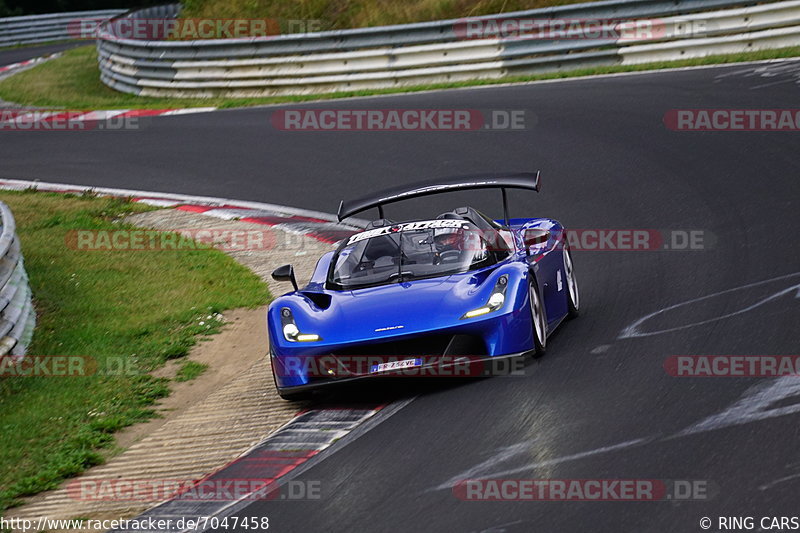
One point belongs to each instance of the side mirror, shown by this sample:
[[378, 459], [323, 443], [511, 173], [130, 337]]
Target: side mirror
[[535, 237], [285, 273]]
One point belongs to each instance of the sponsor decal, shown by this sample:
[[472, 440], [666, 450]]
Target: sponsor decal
[[409, 226], [389, 328], [594, 239]]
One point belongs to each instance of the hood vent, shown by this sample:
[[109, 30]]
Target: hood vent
[[320, 299]]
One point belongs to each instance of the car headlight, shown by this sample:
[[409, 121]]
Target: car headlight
[[290, 330], [495, 302]]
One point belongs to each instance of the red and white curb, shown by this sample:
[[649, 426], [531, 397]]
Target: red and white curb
[[46, 115], [28, 63], [16, 115], [321, 226], [303, 437], [269, 465]]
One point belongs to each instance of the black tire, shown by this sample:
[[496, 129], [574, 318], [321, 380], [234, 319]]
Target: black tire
[[538, 320], [573, 295]]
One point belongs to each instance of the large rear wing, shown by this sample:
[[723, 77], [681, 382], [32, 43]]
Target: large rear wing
[[519, 180]]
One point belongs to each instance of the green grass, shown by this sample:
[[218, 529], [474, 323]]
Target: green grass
[[72, 82], [29, 45], [190, 370], [343, 14], [126, 310]]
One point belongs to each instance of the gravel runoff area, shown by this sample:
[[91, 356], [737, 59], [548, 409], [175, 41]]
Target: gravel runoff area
[[241, 406]]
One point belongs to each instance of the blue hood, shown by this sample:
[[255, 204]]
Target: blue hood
[[376, 313], [397, 309]]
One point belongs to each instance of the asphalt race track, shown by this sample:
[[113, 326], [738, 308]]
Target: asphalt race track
[[9, 56], [599, 404]]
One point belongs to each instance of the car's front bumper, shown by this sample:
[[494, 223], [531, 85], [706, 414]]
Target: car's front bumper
[[512, 364], [299, 364]]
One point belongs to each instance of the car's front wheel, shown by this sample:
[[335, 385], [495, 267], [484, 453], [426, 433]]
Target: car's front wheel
[[573, 296], [538, 320]]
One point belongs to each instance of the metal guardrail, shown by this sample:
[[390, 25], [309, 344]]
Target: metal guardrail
[[34, 29], [17, 316], [430, 52]]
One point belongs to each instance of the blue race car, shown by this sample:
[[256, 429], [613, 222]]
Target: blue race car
[[400, 298]]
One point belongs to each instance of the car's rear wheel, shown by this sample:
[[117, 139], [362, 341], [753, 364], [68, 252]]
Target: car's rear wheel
[[538, 320], [573, 296]]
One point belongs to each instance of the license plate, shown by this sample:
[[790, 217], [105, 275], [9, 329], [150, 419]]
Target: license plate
[[395, 365]]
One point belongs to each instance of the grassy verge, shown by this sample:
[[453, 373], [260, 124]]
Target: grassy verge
[[72, 81], [128, 312], [335, 14], [190, 370], [29, 45]]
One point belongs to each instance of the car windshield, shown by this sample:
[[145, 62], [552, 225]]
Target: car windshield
[[407, 251]]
